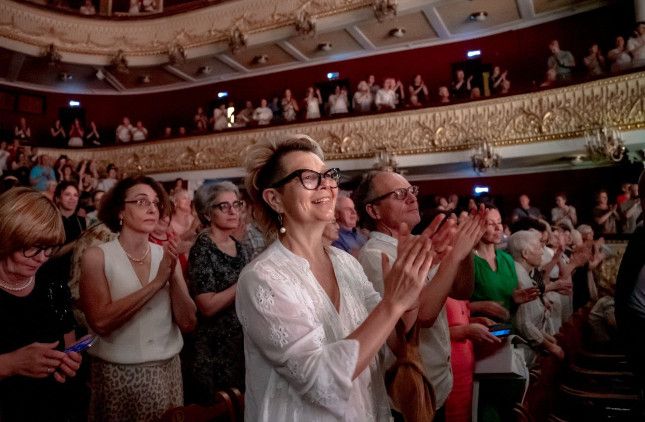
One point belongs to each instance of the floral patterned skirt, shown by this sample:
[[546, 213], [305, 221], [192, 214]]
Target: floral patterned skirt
[[139, 392]]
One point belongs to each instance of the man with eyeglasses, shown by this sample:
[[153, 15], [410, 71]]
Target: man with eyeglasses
[[386, 199]]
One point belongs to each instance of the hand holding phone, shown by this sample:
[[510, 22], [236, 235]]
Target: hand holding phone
[[500, 330], [83, 344]]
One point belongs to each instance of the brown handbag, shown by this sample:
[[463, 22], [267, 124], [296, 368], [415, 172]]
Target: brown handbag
[[410, 392]]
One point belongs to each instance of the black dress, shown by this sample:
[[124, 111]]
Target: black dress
[[43, 316], [216, 357]]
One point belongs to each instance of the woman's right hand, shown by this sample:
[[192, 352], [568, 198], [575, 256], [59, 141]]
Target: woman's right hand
[[404, 281], [37, 360], [521, 296], [169, 260]]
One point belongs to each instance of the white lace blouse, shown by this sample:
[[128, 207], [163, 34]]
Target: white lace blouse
[[299, 365]]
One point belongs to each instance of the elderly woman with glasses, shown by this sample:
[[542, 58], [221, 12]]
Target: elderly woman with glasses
[[313, 324], [36, 321], [214, 264], [135, 299]]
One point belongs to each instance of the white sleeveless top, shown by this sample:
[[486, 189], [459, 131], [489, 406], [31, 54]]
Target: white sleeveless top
[[151, 334]]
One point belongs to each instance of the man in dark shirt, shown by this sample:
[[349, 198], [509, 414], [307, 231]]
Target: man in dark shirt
[[525, 210]]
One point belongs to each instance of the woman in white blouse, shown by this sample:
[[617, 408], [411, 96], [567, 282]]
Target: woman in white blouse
[[312, 322], [338, 102]]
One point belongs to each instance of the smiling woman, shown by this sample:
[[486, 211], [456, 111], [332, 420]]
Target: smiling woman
[[312, 322], [36, 321], [119, 279]]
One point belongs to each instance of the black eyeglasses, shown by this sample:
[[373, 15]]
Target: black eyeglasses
[[310, 179], [225, 207], [36, 250], [143, 203], [398, 194]]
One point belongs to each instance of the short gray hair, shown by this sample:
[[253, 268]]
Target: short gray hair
[[521, 241], [206, 195]]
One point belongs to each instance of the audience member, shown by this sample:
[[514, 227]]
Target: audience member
[[22, 131], [619, 56], [595, 61], [35, 313], [4, 156], [201, 120], [386, 97], [92, 136], [338, 101], [525, 210], [561, 61], [330, 234], [245, 116], [460, 87], [110, 180], [631, 210], [532, 318], [21, 169], [414, 102], [216, 259], [386, 200], [119, 279], [349, 238], [87, 8], [263, 114], [636, 45], [329, 351], [606, 216], [313, 100], [506, 87], [550, 79], [58, 135], [219, 121], [444, 95], [290, 106], [373, 86], [419, 88], [76, 133], [563, 213], [124, 131], [475, 93], [497, 79], [363, 101], [42, 173]]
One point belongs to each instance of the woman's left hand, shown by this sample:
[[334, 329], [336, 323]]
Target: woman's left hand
[[68, 367]]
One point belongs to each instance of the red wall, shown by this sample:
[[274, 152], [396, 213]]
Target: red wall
[[523, 52]]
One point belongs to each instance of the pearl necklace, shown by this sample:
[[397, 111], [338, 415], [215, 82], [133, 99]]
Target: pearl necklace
[[11, 288]]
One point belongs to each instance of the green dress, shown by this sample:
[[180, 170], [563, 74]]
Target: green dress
[[499, 285]]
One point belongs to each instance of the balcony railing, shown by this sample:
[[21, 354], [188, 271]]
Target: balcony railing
[[553, 115]]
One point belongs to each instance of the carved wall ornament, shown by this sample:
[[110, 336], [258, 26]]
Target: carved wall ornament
[[176, 54], [120, 62], [305, 22], [52, 55], [552, 115], [384, 9], [236, 39]]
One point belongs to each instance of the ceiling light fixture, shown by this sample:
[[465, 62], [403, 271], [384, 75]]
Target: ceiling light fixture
[[478, 16], [325, 46], [261, 59], [145, 79], [205, 70], [100, 75], [397, 32]]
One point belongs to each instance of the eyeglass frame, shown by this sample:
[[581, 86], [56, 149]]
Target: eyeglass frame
[[406, 190], [298, 173], [229, 206], [40, 248], [141, 203]]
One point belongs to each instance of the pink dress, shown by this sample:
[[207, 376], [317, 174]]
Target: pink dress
[[462, 358]]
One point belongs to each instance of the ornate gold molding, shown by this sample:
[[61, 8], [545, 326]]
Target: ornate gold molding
[[150, 37], [557, 114]]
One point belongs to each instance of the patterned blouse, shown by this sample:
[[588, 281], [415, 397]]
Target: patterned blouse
[[217, 346]]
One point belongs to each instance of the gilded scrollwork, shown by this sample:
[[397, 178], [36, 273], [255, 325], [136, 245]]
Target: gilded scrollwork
[[553, 115], [74, 34]]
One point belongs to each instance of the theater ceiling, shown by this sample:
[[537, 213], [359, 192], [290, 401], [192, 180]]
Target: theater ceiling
[[235, 39]]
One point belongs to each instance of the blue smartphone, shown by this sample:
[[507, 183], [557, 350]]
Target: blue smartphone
[[83, 344], [500, 330]]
